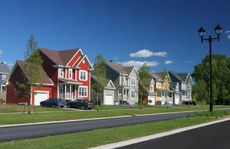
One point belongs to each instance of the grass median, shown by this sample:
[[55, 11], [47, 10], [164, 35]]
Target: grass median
[[104, 136], [54, 114]]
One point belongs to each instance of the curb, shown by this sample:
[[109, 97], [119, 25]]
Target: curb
[[155, 136]]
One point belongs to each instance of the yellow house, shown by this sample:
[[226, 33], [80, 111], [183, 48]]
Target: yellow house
[[159, 92]]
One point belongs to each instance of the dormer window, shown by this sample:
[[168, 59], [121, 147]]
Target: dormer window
[[61, 73], [70, 74]]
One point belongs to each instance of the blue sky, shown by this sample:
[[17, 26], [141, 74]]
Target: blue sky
[[162, 33]]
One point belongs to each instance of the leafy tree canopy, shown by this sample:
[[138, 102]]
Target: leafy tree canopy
[[221, 78]]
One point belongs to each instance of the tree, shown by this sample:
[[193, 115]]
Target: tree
[[100, 74], [200, 93], [144, 82], [32, 69], [221, 77]]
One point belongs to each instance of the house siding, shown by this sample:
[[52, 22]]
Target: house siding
[[11, 94]]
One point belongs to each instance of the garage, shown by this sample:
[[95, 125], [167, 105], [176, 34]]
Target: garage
[[40, 96], [109, 99], [151, 100], [176, 98]]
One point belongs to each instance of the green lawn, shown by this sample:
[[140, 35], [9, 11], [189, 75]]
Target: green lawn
[[12, 108], [104, 136], [56, 114]]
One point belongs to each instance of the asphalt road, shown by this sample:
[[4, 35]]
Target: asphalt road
[[41, 130], [216, 136]]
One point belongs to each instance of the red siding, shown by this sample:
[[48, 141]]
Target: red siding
[[11, 94], [51, 71], [85, 66], [74, 59]]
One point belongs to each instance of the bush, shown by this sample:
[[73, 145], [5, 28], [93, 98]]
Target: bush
[[2, 101]]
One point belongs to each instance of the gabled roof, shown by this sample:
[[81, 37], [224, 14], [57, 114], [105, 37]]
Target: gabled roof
[[104, 84], [59, 57], [4, 68], [183, 76], [119, 68], [44, 80], [156, 77], [175, 77], [178, 77], [81, 59]]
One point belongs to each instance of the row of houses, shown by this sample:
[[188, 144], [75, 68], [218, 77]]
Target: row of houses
[[68, 75]]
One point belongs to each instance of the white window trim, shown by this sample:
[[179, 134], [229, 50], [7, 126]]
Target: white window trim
[[86, 75], [132, 91], [134, 81], [70, 77], [59, 72], [151, 88], [79, 91]]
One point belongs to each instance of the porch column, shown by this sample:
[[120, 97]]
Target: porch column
[[65, 91]]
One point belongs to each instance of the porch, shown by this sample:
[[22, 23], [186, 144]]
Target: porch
[[68, 89]]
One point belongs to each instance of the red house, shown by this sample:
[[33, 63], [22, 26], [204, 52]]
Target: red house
[[65, 74]]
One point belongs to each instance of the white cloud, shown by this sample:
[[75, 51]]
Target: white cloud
[[227, 32], [1, 52], [168, 62], [147, 53], [138, 64]]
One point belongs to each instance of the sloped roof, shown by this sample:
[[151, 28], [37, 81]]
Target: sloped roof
[[183, 76], [4, 68], [119, 68], [178, 77], [157, 77], [175, 77], [94, 77], [59, 57], [44, 77]]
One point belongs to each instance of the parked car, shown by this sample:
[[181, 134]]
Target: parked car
[[53, 102], [81, 104], [190, 102]]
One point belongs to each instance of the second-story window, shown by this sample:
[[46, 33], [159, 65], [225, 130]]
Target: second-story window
[[151, 88], [4, 77], [61, 73], [70, 74], [133, 81], [83, 75]]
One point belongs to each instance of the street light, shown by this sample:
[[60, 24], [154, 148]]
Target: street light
[[218, 30]]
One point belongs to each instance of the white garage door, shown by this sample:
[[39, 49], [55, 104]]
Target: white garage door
[[177, 99], [108, 99], [40, 96]]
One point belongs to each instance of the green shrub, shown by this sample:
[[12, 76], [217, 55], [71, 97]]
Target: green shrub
[[2, 101]]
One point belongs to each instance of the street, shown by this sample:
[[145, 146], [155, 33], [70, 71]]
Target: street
[[216, 136], [41, 130]]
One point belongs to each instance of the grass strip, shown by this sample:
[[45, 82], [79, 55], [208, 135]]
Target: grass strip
[[20, 118], [98, 137]]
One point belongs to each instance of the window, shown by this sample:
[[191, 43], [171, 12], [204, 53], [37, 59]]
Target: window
[[82, 91], [151, 88], [133, 81], [133, 94], [4, 77], [83, 75], [61, 72], [70, 73]]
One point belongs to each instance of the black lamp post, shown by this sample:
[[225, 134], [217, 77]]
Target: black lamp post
[[218, 30]]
